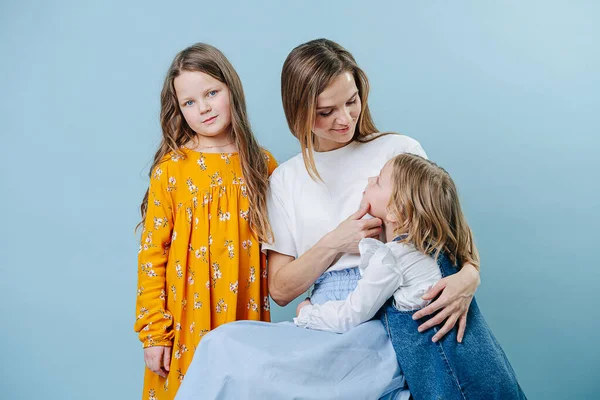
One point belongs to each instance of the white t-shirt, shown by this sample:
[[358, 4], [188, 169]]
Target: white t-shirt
[[302, 211]]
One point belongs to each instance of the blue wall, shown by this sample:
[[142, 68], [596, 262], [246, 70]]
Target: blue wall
[[504, 95]]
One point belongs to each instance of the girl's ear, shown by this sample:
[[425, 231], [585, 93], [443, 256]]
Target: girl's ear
[[390, 217]]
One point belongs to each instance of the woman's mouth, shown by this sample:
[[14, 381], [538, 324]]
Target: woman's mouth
[[210, 120], [343, 130]]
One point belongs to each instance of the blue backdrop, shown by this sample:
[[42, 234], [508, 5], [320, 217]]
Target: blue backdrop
[[503, 94]]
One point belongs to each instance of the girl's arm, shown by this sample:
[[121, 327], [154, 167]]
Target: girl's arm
[[289, 277], [153, 322], [382, 277]]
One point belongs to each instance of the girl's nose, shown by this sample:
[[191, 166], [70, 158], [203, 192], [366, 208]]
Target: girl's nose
[[203, 107]]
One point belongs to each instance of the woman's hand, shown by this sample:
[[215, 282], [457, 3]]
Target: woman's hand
[[158, 359], [306, 302], [457, 291], [345, 238]]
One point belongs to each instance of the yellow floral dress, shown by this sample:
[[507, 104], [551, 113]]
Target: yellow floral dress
[[200, 265]]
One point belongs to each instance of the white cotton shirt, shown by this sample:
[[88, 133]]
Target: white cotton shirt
[[302, 211], [391, 269]]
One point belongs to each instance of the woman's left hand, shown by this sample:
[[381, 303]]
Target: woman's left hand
[[457, 291]]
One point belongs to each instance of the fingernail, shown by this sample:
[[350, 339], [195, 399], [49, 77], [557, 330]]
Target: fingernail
[[414, 317], [420, 329], [434, 340]]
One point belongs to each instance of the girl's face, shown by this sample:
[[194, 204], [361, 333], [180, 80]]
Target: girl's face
[[378, 192], [204, 102], [338, 108]]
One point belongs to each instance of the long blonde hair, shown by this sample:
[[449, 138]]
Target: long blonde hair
[[307, 71], [176, 132], [425, 203]]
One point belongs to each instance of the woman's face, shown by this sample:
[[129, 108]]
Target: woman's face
[[338, 108]]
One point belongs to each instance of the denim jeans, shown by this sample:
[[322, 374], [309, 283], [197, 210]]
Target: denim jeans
[[477, 368]]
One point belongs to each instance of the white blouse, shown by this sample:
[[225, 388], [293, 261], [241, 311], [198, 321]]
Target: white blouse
[[387, 269]]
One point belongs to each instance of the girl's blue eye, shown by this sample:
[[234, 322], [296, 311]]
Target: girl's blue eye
[[189, 102], [212, 93]]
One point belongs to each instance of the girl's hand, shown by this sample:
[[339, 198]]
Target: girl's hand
[[457, 291], [158, 359], [306, 302], [345, 238]]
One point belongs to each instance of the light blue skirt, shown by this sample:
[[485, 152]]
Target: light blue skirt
[[264, 361]]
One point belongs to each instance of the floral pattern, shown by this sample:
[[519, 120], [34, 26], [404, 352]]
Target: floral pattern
[[196, 246]]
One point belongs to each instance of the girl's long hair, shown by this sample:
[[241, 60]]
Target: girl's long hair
[[176, 132], [425, 203]]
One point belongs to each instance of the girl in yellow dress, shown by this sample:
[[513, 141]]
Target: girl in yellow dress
[[203, 217]]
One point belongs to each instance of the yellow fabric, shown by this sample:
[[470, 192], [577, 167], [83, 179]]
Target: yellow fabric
[[200, 265]]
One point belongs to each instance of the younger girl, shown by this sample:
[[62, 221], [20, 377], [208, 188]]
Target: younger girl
[[204, 216], [424, 226]]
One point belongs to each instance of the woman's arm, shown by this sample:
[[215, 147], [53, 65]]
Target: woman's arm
[[290, 277]]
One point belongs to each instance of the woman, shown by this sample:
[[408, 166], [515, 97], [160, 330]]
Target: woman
[[313, 204]]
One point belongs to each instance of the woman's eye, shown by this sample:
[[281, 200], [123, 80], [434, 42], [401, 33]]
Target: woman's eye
[[325, 114], [189, 102]]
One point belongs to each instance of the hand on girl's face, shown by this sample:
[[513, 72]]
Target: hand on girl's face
[[158, 359], [349, 233]]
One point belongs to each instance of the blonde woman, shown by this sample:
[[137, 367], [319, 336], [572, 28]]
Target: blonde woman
[[313, 203]]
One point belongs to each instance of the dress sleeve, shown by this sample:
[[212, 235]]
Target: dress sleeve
[[271, 161], [153, 322]]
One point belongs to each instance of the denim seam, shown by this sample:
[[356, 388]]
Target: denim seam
[[443, 353], [387, 325]]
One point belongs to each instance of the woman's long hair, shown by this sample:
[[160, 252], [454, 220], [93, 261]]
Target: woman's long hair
[[307, 71]]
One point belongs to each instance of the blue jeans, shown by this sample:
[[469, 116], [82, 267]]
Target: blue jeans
[[477, 368]]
